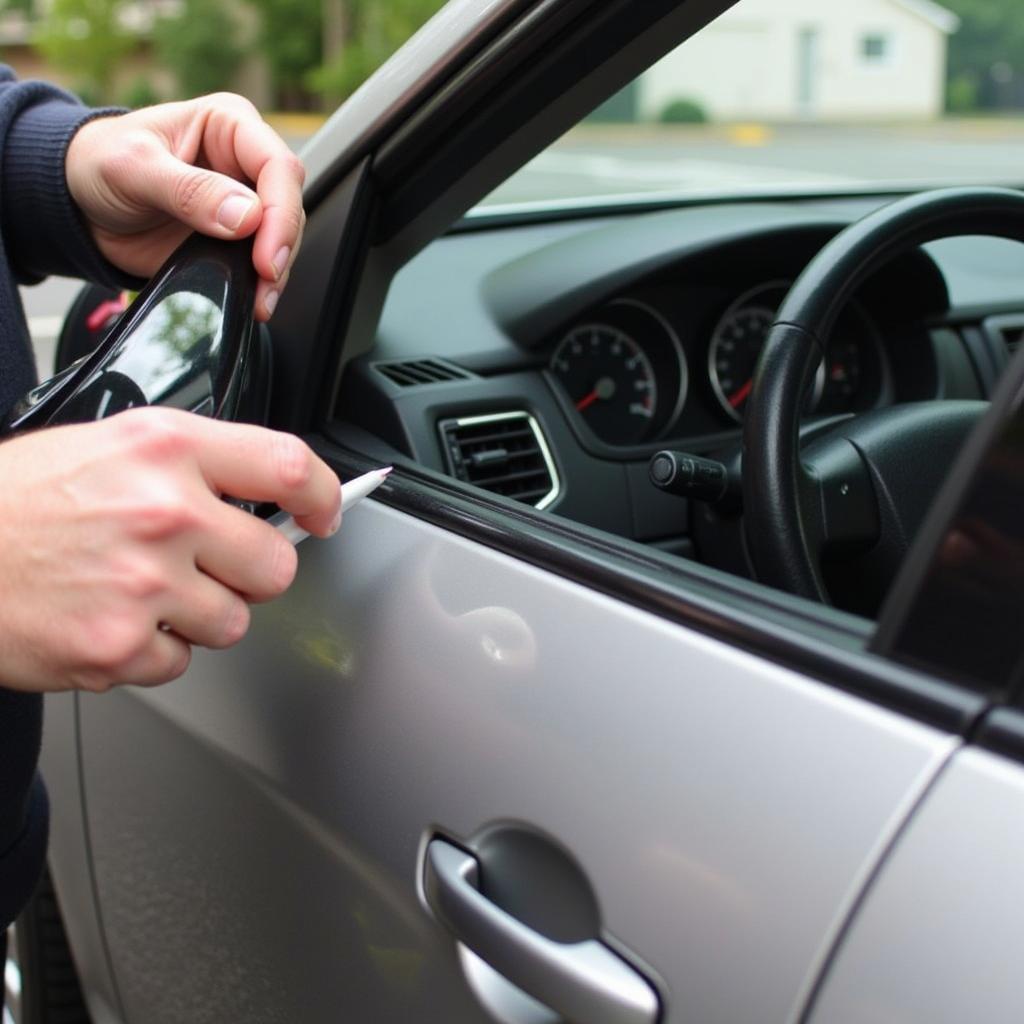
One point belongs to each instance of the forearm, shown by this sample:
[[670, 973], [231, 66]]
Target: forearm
[[42, 229]]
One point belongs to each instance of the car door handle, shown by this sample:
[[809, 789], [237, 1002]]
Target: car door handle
[[585, 982]]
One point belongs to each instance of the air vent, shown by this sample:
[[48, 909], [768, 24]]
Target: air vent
[[504, 453], [1008, 329], [1012, 337], [411, 373]]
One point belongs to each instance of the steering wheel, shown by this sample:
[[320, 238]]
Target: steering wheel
[[868, 483]]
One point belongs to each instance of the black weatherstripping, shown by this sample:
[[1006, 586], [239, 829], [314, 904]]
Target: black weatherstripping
[[1001, 731], [818, 642]]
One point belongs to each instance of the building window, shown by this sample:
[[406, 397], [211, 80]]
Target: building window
[[875, 48]]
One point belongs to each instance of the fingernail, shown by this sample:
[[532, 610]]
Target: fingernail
[[270, 302], [336, 525], [280, 261], [233, 211]]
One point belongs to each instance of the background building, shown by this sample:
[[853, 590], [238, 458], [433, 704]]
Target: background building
[[789, 60]]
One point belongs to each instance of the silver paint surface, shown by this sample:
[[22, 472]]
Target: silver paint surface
[[938, 939], [258, 825]]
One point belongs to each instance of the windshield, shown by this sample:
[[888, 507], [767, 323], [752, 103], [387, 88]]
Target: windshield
[[801, 96]]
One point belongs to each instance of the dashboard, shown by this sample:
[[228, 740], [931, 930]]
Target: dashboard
[[672, 360], [548, 361]]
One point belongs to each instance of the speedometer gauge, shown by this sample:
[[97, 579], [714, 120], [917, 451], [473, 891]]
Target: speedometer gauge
[[622, 371], [736, 346], [609, 379]]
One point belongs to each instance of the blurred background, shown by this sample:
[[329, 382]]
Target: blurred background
[[775, 96], [285, 55], [965, 57]]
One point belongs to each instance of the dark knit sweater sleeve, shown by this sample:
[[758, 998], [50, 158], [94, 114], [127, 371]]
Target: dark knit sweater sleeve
[[43, 230]]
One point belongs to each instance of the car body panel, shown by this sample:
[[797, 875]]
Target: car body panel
[[257, 827], [938, 937]]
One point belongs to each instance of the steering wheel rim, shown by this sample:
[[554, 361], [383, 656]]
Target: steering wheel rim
[[777, 495]]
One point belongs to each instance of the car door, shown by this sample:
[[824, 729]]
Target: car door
[[934, 939], [482, 762]]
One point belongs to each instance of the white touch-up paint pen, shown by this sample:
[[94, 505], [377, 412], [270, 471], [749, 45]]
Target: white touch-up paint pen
[[351, 492]]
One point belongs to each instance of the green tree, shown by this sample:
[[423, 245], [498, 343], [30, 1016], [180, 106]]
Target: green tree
[[199, 46], [290, 38], [986, 55], [374, 31], [85, 37]]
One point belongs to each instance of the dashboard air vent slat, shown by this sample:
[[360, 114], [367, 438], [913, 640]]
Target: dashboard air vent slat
[[412, 372], [1013, 336], [504, 453], [1006, 330]]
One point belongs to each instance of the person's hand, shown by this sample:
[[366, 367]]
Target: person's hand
[[118, 552], [144, 180]]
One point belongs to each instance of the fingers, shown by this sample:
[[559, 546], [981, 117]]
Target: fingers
[[212, 164], [267, 465], [238, 144], [269, 291], [246, 554], [238, 139], [202, 611], [205, 200], [240, 460], [279, 176], [165, 657]]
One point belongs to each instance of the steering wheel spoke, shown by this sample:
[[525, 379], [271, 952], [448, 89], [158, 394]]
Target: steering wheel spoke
[[843, 508]]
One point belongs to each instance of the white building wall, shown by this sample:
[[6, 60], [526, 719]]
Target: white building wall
[[752, 64]]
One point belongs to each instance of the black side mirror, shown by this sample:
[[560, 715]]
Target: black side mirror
[[188, 341]]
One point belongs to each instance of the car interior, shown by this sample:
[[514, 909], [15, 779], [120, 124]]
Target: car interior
[[667, 311]]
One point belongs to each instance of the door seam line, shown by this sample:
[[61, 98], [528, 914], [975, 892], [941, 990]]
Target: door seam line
[[864, 880]]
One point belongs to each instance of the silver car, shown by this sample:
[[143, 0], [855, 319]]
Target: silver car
[[652, 686]]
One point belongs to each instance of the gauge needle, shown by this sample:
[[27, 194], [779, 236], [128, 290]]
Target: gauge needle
[[603, 389], [737, 399]]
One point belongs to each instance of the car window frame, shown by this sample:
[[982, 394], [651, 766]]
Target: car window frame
[[371, 217]]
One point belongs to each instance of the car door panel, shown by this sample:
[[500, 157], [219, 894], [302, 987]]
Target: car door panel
[[938, 938], [258, 827]]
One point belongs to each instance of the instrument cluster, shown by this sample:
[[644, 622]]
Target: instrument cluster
[[634, 373]]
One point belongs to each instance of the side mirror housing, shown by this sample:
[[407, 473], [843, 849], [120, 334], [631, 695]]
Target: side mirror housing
[[188, 342]]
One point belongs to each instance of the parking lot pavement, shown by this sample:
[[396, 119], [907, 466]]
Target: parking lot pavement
[[600, 160]]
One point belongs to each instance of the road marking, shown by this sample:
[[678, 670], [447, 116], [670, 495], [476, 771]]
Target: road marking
[[678, 169], [749, 134]]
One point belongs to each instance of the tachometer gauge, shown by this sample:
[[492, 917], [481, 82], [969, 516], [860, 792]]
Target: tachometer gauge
[[736, 345], [609, 379]]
